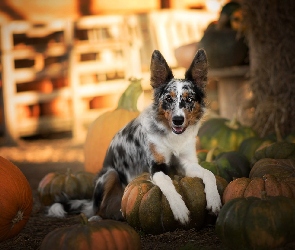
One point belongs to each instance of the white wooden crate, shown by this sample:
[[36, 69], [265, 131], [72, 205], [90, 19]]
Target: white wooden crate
[[104, 55], [29, 53]]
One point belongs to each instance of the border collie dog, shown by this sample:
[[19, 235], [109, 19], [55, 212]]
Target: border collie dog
[[161, 140]]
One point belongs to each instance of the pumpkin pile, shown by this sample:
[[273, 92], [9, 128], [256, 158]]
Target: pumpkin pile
[[16, 200], [76, 186], [102, 130], [258, 203], [145, 207], [258, 211]]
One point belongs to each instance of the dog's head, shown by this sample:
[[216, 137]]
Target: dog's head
[[179, 102]]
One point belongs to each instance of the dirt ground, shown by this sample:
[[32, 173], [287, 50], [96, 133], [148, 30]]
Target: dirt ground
[[40, 156]]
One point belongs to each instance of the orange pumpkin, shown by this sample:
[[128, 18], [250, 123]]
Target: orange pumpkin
[[16, 200], [98, 235], [103, 129], [270, 184]]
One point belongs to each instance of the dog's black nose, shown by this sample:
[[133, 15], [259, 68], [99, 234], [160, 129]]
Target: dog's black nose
[[178, 120]]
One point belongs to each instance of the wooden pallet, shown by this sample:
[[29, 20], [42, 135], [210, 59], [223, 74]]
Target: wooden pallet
[[104, 56], [31, 54]]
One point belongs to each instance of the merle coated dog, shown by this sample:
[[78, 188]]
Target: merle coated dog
[[161, 140]]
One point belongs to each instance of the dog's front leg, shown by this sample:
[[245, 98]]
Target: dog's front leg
[[193, 169], [164, 182]]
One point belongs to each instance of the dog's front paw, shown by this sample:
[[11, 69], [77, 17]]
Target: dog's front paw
[[213, 202], [212, 196], [180, 210]]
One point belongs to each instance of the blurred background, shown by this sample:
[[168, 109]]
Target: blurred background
[[63, 63]]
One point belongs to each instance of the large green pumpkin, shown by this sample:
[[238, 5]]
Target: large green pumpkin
[[277, 150], [228, 165], [253, 223], [147, 209], [76, 186], [223, 133], [281, 168], [249, 146]]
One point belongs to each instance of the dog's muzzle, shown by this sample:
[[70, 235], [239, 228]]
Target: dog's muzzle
[[177, 122]]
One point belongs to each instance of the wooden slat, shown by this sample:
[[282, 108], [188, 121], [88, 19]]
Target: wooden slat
[[29, 52], [89, 22], [31, 74], [35, 126], [37, 30], [100, 67], [32, 97], [103, 88], [88, 47]]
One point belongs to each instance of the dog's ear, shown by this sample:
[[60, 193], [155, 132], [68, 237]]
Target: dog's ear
[[160, 71], [197, 72]]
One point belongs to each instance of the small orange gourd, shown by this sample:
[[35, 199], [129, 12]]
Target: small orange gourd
[[16, 200], [103, 129]]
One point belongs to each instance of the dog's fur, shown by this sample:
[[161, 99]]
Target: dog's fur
[[160, 141]]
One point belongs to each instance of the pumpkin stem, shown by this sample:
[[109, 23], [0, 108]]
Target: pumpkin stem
[[209, 156], [129, 98], [83, 219], [233, 123]]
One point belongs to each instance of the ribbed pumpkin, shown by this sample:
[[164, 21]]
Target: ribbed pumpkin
[[277, 150], [76, 186], [228, 165], [271, 185], [249, 146], [146, 208], [253, 223], [280, 168], [223, 133], [98, 235], [16, 200], [102, 130]]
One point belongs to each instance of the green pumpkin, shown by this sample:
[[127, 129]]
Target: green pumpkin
[[249, 146], [253, 223], [76, 186], [145, 207], [228, 165], [223, 133], [277, 150], [281, 168]]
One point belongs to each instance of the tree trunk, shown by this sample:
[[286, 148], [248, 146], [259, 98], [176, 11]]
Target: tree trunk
[[270, 30]]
